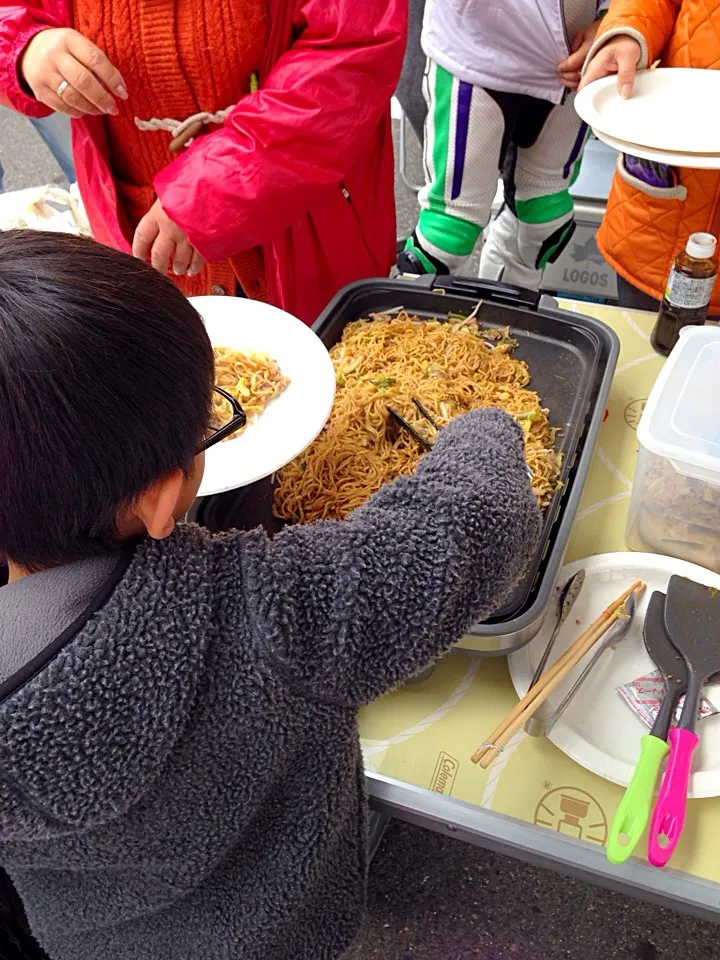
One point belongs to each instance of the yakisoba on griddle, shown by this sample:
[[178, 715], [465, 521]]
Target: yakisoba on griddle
[[451, 367]]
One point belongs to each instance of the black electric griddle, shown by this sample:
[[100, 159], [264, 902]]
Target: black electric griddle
[[571, 358]]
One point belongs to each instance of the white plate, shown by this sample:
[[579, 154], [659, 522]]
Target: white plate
[[291, 421], [670, 109], [696, 161], [598, 729]]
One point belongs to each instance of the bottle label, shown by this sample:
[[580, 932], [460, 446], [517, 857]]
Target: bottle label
[[690, 292]]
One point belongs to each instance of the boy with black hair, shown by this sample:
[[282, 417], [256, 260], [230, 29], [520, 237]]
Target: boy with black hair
[[180, 772]]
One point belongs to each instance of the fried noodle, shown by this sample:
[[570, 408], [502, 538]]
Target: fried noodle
[[252, 378], [451, 367]]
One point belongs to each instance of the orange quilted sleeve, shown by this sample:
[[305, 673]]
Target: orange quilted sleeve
[[654, 19]]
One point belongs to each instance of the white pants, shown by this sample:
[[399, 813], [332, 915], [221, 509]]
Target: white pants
[[470, 135]]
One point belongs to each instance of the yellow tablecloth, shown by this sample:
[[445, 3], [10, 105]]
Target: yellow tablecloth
[[424, 734]]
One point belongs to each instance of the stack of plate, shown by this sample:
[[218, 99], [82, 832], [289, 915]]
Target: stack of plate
[[669, 118]]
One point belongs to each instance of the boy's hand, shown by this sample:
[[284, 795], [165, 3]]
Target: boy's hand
[[570, 70], [161, 241], [620, 56], [68, 73]]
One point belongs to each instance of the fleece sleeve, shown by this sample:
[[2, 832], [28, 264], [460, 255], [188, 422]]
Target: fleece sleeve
[[350, 609]]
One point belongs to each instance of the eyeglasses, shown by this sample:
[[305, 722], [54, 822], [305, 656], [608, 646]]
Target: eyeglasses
[[237, 420]]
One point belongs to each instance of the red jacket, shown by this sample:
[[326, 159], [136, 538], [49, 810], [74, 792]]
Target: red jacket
[[303, 167]]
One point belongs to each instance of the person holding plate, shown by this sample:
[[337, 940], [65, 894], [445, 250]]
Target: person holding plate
[[651, 213], [241, 146]]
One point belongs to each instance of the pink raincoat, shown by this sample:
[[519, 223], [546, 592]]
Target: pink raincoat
[[303, 167]]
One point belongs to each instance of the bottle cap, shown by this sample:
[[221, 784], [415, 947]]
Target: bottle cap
[[701, 246]]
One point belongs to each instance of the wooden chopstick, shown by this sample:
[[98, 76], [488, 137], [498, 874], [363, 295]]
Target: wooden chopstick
[[549, 680], [614, 608], [559, 669], [536, 696], [550, 673], [510, 730]]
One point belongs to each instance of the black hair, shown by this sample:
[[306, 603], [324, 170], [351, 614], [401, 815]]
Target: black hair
[[106, 377]]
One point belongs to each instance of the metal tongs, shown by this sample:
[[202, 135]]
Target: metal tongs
[[400, 421], [538, 726]]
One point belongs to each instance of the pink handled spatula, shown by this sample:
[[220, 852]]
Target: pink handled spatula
[[692, 618]]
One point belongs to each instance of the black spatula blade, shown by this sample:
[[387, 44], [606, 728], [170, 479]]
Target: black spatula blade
[[659, 645], [668, 661], [692, 618]]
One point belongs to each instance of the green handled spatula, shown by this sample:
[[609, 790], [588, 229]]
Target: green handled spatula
[[633, 814]]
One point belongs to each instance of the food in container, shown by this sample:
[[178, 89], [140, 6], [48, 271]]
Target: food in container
[[675, 506], [687, 295], [252, 378]]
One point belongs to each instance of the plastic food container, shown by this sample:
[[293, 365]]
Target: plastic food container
[[675, 506]]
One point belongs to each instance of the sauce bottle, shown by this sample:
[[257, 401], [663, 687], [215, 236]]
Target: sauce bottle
[[688, 291]]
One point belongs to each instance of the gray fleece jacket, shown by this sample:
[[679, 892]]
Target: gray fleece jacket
[[180, 772]]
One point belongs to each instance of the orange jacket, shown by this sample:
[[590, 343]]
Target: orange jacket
[[641, 233]]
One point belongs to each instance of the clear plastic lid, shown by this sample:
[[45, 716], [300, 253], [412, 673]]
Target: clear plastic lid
[[701, 246], [681, 420]]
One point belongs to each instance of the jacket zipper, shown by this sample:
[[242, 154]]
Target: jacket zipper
[[281, 15], [564, 26], [566, 92], [715, 221], [565, 29], [356, 216]]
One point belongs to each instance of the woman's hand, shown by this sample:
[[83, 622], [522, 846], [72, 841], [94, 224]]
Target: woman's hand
[[570, 70], [620, 56], [161, 241], [69, 74]]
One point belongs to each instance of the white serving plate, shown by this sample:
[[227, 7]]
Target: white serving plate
[[670, 109], [695, 161], [291, 421], [598, 729]]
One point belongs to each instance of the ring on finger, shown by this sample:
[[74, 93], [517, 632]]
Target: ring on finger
[[61, 89]]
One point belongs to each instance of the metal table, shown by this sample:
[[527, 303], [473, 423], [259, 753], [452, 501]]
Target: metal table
[[535, 803]]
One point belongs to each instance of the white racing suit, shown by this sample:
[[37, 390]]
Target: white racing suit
[[495, 103]]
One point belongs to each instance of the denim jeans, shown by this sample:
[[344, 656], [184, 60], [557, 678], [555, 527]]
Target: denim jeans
[[55, 132], [631, 298]]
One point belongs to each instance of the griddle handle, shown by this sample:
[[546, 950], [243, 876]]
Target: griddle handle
[[489, 290]]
